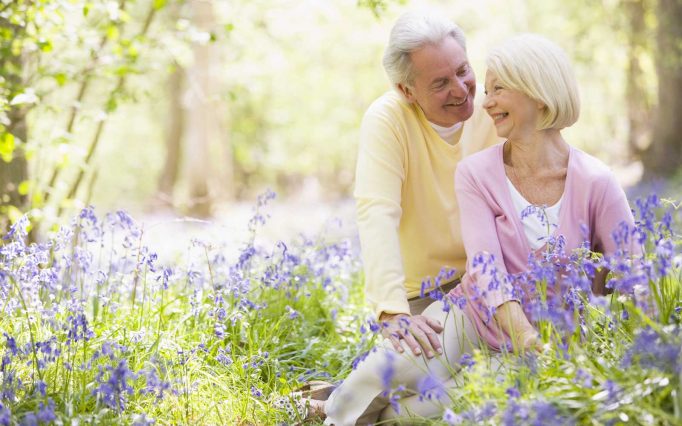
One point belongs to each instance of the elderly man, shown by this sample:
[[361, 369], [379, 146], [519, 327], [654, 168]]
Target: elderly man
[[411, 141]]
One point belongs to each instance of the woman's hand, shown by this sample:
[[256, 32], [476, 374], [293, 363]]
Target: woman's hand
[[513, 321]]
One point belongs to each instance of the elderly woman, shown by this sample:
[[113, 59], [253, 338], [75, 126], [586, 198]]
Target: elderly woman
[[531, 94]]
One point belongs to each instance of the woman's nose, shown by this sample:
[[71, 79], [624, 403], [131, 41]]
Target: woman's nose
[[487, 101]]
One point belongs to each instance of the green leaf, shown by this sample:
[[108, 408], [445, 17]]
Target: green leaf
[[24, 187], [113, 32], [159, 4], [7, 147], [45, 45], [61, 78]]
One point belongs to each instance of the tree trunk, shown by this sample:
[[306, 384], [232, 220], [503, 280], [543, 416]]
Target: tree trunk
[[15, 172], [201, 128], [175, 128], [663, 156], [638, 103]]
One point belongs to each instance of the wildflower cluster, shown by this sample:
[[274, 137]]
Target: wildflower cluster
[[614, 359], [94, 328]]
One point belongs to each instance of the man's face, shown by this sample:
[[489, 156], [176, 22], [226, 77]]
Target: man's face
[[444, 84]]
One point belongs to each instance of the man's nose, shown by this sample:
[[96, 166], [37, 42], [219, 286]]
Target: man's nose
[[458, 88]]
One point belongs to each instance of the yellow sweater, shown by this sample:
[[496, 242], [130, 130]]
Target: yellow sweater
[[408, 216]]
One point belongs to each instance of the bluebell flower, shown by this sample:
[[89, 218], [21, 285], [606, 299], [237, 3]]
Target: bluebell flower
[[452, 418], [46, 413], [513, 392], [255, 392], [5, 415], [653, 351], [431, 387], [113, 390], [387, 370]]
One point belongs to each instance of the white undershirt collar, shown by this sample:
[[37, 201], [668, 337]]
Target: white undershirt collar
[[447, 133]]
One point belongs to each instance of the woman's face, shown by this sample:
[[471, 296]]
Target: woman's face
[[515, 114]]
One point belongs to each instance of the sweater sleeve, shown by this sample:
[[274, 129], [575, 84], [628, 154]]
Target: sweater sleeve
[[378, 185], [612, 211], [485, 263]]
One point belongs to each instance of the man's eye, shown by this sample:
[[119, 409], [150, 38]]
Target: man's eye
[[463, 71]]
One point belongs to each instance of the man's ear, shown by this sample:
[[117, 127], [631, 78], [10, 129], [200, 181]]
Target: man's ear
[[407, 92]]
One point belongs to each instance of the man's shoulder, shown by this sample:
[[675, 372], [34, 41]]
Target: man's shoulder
[[390, 104]]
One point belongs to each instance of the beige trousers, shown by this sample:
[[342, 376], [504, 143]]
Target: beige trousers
[[361, 399]]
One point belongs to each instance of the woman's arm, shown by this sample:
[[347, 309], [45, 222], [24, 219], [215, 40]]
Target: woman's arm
[[513, 321], [479, 233]]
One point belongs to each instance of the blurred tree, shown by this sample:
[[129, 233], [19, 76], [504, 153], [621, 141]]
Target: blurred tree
[[53, 49], [17, 40], [195, 142], [638, 30], [664, 155], [175, 128]]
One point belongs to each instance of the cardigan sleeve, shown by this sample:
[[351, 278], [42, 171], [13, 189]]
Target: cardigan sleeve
[[378, 187], [612, 212], [485, 262]]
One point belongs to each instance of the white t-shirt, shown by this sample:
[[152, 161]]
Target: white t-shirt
[[539, 222], [447, 133]]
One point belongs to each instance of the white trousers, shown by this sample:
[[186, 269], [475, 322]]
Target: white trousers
[[361, 398]]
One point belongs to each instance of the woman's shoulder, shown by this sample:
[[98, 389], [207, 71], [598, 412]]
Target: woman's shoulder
[[488, 157], [588, 168], [480, 169]]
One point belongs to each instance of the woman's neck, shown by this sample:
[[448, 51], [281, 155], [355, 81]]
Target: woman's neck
[[539, 151]]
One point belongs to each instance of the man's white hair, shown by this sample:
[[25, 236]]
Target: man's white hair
[[411, 32]]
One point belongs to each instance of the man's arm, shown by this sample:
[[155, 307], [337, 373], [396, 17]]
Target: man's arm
[[381, 169]]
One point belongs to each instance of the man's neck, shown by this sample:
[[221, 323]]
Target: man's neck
[[447, 133]]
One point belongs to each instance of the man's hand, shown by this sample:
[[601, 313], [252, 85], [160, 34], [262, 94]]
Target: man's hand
[[419, 332]]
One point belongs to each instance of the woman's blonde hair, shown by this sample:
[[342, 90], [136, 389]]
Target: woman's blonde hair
[[541, 70]]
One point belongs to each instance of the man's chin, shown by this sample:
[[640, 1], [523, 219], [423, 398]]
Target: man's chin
[[462, 112]]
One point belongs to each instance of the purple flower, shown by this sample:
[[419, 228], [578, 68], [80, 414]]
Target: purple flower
[[467, 361], [5, 415], [513, 392], [255, 392], [653, 351], [546, 414], [155, 386], [451, 418], [387, 371], [46, 412], [113, 390], [431, 388], [293, 314], [583, 378]]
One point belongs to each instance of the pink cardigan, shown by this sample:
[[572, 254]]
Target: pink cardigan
[[491, 225]]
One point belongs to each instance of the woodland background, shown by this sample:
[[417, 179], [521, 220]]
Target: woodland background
[[189, 105]]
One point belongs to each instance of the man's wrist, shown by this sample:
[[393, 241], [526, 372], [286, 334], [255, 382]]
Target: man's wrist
[[385, 316]]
